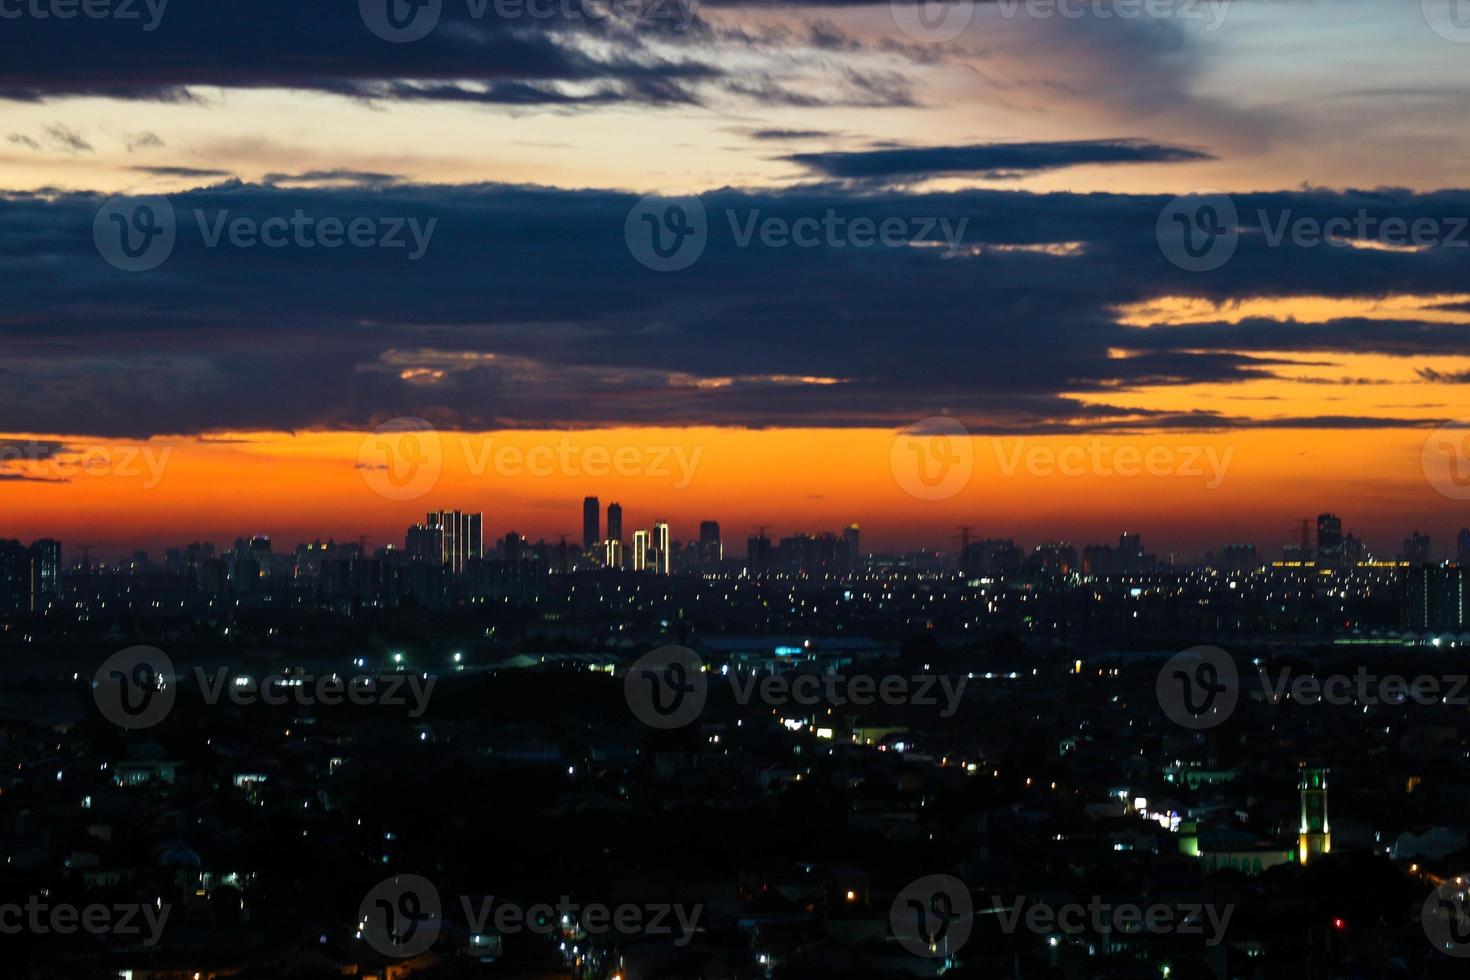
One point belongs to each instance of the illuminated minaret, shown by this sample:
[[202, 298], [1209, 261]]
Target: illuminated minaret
[[1316, 837]]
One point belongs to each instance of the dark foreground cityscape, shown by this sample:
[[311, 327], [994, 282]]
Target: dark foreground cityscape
[[630, 757]]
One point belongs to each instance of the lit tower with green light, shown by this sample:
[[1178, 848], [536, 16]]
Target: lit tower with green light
[[1316, 836]]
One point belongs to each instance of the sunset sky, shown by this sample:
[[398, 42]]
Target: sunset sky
[[1035, 300]]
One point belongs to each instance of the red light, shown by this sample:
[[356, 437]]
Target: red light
[[1339, 924]]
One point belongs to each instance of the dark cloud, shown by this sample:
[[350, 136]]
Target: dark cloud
[[528, 309], [182, 172], [989, 160], [334, 176], [791, 134], [1443, 377], [584, 53], [67, 139]]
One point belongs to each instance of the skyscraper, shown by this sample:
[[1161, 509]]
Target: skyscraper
[[615, 522], [1329, 540], [661, 547], [1462, 549], [424, 542], [852, 544], [711, 548], [1416, 548], [462, 537], [640, 551], [591, 517], [45, 573]]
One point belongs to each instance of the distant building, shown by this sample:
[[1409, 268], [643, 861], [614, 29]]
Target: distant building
[[1329, 540], [1462, 548], [662, 552], [640, 551], [852, 543], [1435, 599], [424, 542], [1239, 558], [15, 578], [615, 522], [758, 553], [591, 527], [462, 538], [711, 548], [45, 573], [1416, 548]]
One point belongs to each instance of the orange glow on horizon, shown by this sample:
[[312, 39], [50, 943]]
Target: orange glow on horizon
[[1186, 491]]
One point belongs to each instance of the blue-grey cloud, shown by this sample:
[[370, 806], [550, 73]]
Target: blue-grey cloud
[[527, 308], [988, 160]]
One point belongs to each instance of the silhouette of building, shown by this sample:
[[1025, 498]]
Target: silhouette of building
[[591, 517], [1416, 548], [462, 538], [615, 522], [711, 548], [1329, 540], [1462, 547], [663, 553], [640, 551]]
